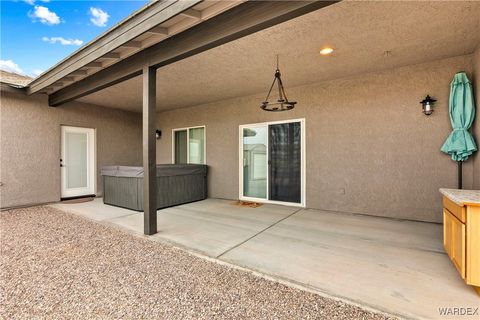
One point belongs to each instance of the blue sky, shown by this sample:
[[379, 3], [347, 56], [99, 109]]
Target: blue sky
[[36, 34]]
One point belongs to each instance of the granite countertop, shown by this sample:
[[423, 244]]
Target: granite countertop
[[462, 197]]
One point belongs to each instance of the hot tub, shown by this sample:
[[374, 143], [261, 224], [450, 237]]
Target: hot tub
[[176, 184]]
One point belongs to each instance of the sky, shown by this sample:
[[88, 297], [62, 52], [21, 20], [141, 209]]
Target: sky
[[37, 34]]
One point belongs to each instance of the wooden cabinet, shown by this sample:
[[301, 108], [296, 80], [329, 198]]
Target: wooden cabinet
[[454, 241], [461, 239]]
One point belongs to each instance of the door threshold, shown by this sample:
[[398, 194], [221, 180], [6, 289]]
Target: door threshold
[[281, 203], [78, 197]]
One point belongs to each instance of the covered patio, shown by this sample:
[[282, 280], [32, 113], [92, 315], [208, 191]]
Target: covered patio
[[366, 228], [395, 266]]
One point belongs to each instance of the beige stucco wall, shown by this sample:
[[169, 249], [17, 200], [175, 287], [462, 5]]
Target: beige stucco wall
[[365, 135], [476, 124], [30, 144]]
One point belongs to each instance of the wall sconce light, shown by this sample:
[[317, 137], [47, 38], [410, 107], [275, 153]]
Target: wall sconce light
[[427, 105], [158, 134]]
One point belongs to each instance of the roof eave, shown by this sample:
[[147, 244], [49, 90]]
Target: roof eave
[[136, 24]]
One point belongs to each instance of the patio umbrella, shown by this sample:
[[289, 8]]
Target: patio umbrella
[[460, 143]]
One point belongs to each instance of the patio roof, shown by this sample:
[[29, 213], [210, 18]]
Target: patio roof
[[367, 37], [159, 34], [153, 23]]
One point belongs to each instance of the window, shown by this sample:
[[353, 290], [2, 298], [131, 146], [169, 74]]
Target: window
[[189, 145]]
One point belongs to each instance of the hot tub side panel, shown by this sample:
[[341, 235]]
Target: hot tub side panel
[[175, 190], [175, 185], [123, 192]]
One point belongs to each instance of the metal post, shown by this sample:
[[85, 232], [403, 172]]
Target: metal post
[[149, 152], [460, 175]]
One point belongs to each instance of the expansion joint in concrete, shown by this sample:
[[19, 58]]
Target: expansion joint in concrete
[[256, 234]]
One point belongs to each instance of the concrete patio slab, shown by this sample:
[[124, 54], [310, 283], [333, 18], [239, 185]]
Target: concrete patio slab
[[391, 265], [395, 266], [211, 227], [216, 226]]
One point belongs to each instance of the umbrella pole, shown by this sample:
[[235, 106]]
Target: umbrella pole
[[460, 175]]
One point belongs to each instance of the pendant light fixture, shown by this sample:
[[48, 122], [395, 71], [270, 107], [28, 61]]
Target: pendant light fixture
[[282, 103]]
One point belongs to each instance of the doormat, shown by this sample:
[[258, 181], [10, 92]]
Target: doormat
[[247, 204], [78, 200]]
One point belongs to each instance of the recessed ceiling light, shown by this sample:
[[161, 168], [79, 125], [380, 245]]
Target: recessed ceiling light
[[326, 51]]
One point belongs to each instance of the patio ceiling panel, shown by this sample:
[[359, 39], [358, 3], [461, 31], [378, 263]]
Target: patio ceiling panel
[[237, 22]]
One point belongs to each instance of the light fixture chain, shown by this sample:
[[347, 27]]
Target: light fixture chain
[[282, 104], [283, 89], [271, 87], [280, 98]]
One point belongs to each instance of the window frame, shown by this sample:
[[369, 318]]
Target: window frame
[[188, 143]]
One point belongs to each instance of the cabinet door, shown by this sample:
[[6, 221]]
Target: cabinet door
[[447, 232], [473, 246], [457, 245]]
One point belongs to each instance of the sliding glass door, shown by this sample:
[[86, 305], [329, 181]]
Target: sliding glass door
[[255, 141], [285, 162], [271, 162]]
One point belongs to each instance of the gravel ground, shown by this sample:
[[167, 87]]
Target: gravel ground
[[59, 266]]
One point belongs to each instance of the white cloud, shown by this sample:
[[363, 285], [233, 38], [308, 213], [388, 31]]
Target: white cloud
[[63, 41], [99, 17], [10, 66], [31, 2], [44, 15], [37, 72]]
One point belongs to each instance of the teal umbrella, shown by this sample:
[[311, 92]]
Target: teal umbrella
[[460, 143]]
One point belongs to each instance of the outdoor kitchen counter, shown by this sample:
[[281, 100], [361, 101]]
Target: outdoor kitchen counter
[[461, 232], [462, 197]]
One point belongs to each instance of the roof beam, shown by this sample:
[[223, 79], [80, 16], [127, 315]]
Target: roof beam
[[158, 30], [93, 65], [192, 13], [240, 21], [111, 55], [78, 73], [132, 44]]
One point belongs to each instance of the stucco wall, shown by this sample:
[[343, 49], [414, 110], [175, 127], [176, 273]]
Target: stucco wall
[[30, 144], [365, 135], [476, 123]]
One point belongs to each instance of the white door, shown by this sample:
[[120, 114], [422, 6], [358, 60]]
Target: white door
[[77, 161]]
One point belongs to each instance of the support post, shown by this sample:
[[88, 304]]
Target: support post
[[460, 174], [149, 152]]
